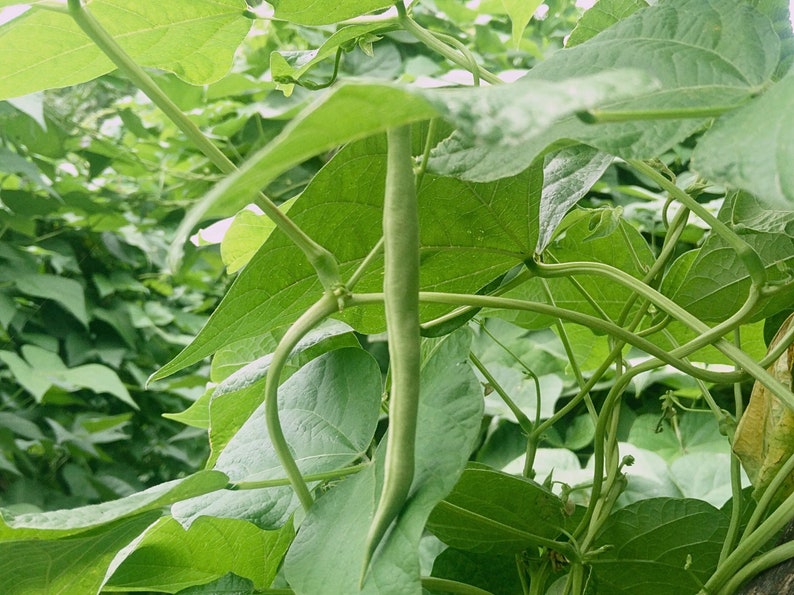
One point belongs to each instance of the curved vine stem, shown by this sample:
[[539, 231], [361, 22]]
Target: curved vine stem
[[274, 483], [745, 252], [440, 47], [487, 301], [707, 334], [323, 308], [773, 557], [321, 259], [748, 546]]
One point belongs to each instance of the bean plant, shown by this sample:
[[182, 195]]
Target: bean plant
[[444, 219]]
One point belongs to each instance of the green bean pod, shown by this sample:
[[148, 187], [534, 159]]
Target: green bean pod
[[401, 298]]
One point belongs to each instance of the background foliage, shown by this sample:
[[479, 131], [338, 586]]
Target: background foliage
[[100, 289]]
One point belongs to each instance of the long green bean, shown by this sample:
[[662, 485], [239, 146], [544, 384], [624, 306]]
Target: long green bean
[[401, 300]]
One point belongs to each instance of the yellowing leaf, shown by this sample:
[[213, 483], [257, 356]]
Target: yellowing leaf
[[764, 438]]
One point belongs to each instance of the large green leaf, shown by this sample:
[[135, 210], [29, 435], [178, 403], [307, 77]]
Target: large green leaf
[[714, 283], [501, 129], [660, 546], [234, 399], [491, 512], [762, 136], [62, 523], [328, 551], [346, 113], [66, 292], [324, 12], [328, 410], [693, 434], [63, 566], [195, 39], [470, 234], [41, 369], [496, 574], [707, 54], [603, 15], [169, 558], [568, 174]]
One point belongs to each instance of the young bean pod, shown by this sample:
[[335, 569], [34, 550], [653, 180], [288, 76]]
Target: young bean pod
[[401, 298]]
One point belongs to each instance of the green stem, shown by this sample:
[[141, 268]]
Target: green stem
[[599, 447], [523, 420], [284, 481], [707, 334], [487, 301], [605, 116], [365, 264], [323, 308], [52, 6], [526, 424], [767, 560], [736, 479], [323, 261], [777, 350], [749, 546], [769, 493], [472, 67], [745, 252], [439, 46], [431, 133], [584, 392]]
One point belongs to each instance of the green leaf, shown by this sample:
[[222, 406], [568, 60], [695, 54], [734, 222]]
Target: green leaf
[[348, 112], [71, 565], [715, 283], [328, 551], [337, 396], [247, 232], [62, 523], [195, 39], [292, 64], [11, 163], [660, 546], [257, 369], [496, 574], [66, 292], [99, 379], [25, 375], [694, 433], [43, 369], [470, 234], [230, 584], [602, 16], [8, 309], [501, 129], [704, 476], [235, 398], [169, 558], [624, 248], [325, 12], [703, 54], [568, 174], [492, 512], [762, 133], [520, 11]]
